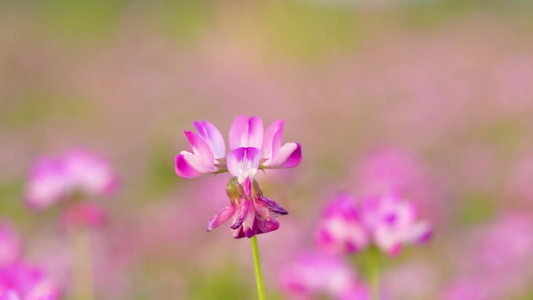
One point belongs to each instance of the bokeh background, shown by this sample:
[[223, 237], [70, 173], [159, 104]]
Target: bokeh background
[[440, 89]]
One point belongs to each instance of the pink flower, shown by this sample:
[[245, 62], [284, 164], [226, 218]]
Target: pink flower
[[75, 173], [251, 149], [340, 229], [207, 149], [312, 275], [252, 212], [393, 223], [385, 221], [20, 281]]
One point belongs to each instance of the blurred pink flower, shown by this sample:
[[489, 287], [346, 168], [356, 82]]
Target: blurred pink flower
[[341, 228], [313, 275], [393, 223], [76, 173], [24, 282], [17, 279], [386, 221]]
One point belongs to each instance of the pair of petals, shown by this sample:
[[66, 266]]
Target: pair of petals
[[274, 154], [246, 132], [206, 148]]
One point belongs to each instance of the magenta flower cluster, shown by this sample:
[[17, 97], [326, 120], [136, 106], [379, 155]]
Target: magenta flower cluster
[[251, 148], [385, 221], [70, 179], [18, 279]]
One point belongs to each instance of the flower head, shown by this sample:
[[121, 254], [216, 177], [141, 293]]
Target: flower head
[[341, 228], [386, 221], [250, 149], [392, 222], [18, 280], [23, 282], [75, 173]]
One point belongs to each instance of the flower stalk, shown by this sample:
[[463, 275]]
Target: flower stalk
[[82, 261], [257, 269], [373, 269]]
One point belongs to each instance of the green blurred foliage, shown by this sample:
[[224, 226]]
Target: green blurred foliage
[[303, 30], [227, 283], [183, 20], [37, 106], [79, 20]]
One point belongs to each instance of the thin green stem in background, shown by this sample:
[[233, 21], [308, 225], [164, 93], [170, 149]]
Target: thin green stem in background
[[373, 273], [257, 268], [82, 263]]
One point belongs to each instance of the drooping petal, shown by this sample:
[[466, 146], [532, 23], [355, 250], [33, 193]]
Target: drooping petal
[[289, 156], [264, 226], [243, 162], [272, 140], [246, 132], [221, 217], [241, 214], [272, 206], [249, 223], [213, 137]]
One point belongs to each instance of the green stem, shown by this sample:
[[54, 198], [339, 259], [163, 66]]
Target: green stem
[[373, 274], [82, 264], [257, 268]]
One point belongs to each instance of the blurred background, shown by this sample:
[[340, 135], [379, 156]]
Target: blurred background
[[440, 91]]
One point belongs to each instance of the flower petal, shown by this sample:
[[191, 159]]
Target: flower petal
[[249, 223], [246, 132], [289, 156], [213, 137], [188, 165], [221, 217], [200, 148], [272, 140], [272, 206], [243, 162], [264, 226], [241, 214], [200, 161]]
